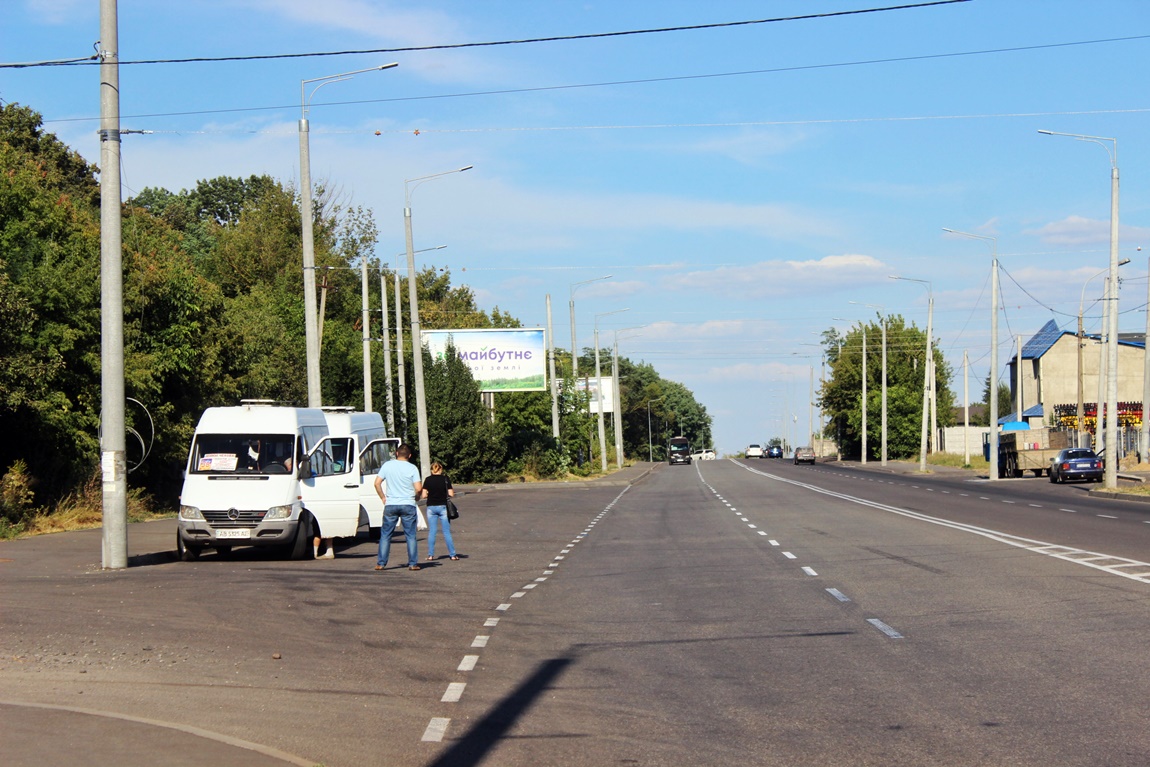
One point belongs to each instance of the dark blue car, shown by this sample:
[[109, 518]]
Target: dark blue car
[[1076, 463]]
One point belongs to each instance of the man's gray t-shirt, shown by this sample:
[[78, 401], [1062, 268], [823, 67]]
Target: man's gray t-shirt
[[400, 478]]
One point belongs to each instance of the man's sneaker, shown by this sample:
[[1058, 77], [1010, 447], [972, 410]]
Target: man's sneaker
[[329, 554]]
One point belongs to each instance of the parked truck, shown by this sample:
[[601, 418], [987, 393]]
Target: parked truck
[[1024, 450]]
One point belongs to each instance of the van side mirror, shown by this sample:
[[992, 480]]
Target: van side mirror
[[304, 470]]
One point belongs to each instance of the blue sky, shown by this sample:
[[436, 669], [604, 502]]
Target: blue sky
[[743, 185]]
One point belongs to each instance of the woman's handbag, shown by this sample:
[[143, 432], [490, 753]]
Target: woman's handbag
[[452, 510]]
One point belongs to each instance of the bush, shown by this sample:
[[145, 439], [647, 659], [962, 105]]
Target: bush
[[15, 498]]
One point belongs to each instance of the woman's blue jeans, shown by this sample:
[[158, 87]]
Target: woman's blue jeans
[[436, 516]]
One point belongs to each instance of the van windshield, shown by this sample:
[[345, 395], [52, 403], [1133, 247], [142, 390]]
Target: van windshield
[[242, 454]]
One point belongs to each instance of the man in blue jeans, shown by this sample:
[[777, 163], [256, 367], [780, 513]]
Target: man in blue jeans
[[403, 487]]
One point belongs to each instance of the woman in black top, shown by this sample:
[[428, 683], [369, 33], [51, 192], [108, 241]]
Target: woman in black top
[[437, 489]]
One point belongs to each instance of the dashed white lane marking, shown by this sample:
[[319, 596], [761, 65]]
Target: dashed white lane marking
[[1072, 511], [753, 527], [490, 622], [468, 663], [1105, 516], [762, 532], [540, 580], [530, 586], [884, 628], [1105, 562], [789, 555], [838, 595], [503, 607], [436, 729], [1008, 501], [1035, 505], [809, 571], [519, 595], [481, 640], [773, 542], [454, 692]]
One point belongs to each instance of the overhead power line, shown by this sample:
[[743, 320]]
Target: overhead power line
[[94, 59], [673, 78]]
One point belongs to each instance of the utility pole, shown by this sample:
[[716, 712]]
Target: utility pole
[[386, 351], [366, 338], [551, 370], [113, 462]]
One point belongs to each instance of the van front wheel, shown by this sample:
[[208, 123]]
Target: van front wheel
[[184, 552]]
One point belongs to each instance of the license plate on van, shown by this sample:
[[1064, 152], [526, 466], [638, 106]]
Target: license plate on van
[[242, 532]]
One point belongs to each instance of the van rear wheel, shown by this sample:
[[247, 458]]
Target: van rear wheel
[[301, 547]]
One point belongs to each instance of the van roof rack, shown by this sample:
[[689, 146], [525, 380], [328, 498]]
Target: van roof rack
[[258, 402], [338, 409]]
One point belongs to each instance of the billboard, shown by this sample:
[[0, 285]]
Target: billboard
[[506, 359], [591, 386]]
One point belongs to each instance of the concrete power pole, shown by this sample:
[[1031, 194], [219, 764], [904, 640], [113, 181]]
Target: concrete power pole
[[386, 352], [113, 463], [366, 337], [551, 371]]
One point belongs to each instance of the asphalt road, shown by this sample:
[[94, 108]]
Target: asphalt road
[[730, 611]]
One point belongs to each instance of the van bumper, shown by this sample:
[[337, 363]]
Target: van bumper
[[201, 534]]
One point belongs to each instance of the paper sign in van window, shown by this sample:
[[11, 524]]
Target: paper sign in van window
[[218, 462]]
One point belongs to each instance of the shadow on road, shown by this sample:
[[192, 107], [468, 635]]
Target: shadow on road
[[474, 746]]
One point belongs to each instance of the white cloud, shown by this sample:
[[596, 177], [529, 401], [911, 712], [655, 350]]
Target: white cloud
[[394, 25], [776, 278], [60, 11], [1073, 231]]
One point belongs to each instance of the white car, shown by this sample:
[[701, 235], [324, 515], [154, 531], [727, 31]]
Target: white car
[[754, 451], [703, 455]]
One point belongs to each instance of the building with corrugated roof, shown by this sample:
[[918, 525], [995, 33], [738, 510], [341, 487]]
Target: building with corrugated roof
[[1050, 374]]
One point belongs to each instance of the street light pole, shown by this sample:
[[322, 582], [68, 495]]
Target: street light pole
[[571, 305], [551, 371], [401, 369], [386, 331], [617, 415], [992, 419], [928, 375], [650, 440], [1111, 464], [599, 376], [882, 316], [1081, 414], [307, 234], [413, 307]]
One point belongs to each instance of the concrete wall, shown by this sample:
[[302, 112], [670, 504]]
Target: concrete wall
[[950, 439]]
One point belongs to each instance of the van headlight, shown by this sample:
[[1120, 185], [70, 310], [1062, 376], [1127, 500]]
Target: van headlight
[[278, 512], [190, 512]]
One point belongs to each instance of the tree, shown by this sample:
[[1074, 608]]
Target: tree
[[464, 439], [49, 238], [841, 396], [1005, 404]]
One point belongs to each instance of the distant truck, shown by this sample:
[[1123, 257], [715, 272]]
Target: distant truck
[[1021, 450], [679, 451]]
